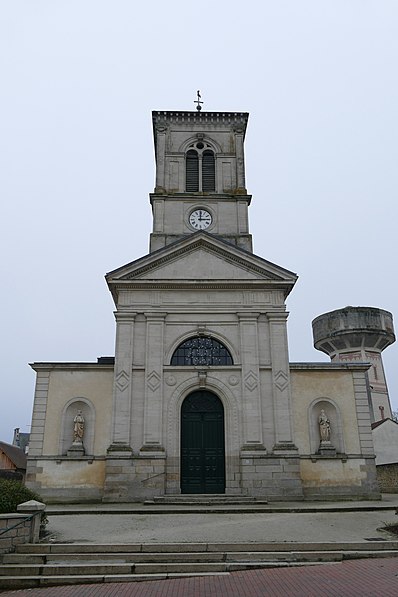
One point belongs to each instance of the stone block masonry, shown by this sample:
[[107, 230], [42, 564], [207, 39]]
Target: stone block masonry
[[15, 536], [21, 527], [387, 477], [274, 478], [134, 479]]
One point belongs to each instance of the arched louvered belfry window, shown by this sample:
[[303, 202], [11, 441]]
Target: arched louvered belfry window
[[192, 171], [201, 350], [200, 168], [208, 171]]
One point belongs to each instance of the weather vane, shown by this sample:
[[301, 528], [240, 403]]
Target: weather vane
[[198, 107]]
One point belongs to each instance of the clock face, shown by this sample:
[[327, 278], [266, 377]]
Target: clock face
[[200, 219]]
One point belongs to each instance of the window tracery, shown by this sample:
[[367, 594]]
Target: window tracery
[[200, 168], [201, 350]]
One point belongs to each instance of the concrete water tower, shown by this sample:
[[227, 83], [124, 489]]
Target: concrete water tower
[[359, 334]]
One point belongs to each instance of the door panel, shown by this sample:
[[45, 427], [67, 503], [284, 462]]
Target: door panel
[[202, 444]]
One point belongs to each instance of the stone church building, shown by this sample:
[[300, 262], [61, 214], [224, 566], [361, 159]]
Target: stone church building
[[200, 397]]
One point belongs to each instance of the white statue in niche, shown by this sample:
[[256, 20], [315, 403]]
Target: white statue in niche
[[78, 428], [324, 427]]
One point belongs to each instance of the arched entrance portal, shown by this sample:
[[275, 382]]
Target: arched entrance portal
[[202, 444]]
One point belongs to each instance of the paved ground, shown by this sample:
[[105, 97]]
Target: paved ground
[[138, 524], [143, 525], [223, 528]]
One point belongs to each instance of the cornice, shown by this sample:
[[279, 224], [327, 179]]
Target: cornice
[[329, 366], [201, 284], [180, 285], [163, 120], [48, 366], [65, 366], [160, 117], [201, 196]]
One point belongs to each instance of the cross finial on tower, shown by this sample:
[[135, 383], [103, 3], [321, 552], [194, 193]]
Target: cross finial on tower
[[198, 107]]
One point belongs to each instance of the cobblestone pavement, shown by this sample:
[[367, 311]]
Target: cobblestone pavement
[[359, 578]]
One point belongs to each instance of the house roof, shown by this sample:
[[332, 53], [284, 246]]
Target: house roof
[[15, 454], [378, 423]]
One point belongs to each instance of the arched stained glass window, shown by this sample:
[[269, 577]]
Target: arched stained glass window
[[201, 350]]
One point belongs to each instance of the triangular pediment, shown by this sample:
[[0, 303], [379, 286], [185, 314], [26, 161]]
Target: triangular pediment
[[201, 258]]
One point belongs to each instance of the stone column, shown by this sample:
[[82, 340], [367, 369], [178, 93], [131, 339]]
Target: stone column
[[252, 419], [122, 386], [160, 158], [240, 161], [281, 382], [153, 383]]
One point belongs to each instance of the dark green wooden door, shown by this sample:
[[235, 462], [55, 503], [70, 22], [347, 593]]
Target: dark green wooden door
[[202, 444]]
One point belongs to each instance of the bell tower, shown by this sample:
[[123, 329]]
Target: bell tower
[[200, 177]]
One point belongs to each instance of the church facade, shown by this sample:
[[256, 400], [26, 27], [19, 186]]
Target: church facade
[[200, 397]]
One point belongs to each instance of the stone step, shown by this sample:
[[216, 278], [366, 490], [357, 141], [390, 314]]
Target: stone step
[[15, 582], [93, 560], [190, 567], [205, 499], [87, 558], [115, 548], [57, 564], [63, 569], [187, 509]]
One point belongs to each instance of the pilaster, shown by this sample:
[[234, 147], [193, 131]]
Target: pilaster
[[39, 413], [281, 388], [160, 158], [362, 411], [252, 419], [240, 160], [122, 385], [153, 407]]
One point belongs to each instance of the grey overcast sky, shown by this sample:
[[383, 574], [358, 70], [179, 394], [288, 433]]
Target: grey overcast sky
[[79, 79]]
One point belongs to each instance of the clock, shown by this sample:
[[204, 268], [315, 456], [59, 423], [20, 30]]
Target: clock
[[200, 219]]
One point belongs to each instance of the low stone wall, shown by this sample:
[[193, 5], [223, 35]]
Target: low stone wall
[[23, 527], [19, 534], [387, 477]]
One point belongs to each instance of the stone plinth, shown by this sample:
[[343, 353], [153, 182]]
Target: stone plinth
[[76, 450]]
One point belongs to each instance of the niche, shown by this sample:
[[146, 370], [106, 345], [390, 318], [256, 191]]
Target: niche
[[67, 425], [336, 433]]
